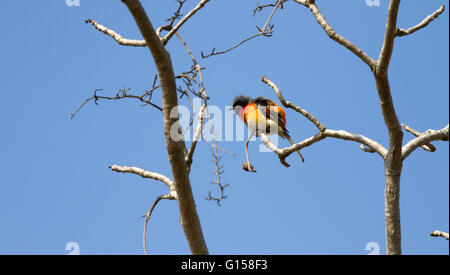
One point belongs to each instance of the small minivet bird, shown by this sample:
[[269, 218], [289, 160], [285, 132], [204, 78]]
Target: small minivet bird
[[261, 115]]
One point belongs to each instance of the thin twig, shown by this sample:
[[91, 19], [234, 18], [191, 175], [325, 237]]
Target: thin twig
[[122, 93], [218, 173], [197, 67], [84, 103], [219, 148], [266, 31], [366, 149], [214, 52], [197, 134], [148, 215], [152, 175], [183, 20], [421, 25], [261, 7], [203, 95], [176, 15]]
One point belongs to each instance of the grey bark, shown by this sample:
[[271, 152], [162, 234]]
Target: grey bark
[[175, 149]]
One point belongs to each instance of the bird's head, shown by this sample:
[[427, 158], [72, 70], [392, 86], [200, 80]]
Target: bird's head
[[240, 102]]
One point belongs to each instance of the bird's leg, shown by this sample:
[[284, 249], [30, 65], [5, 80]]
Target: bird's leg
[[246, 150], [247, 166]]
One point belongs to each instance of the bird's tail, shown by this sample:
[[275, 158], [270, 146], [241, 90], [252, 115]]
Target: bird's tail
[[298, 151]]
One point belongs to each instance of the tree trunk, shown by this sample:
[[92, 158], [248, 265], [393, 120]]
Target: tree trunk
[[392, 210], [392, 166], [174, 144]]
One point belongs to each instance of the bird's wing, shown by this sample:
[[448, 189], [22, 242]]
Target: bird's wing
[[272, 110]]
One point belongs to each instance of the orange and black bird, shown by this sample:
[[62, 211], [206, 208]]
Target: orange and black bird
[[261, 115]]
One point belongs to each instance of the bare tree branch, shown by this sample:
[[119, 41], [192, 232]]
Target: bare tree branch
[[425, 138], [393, 158], [218, 173], [141, 43], [260, 7], [181, 159], [427, 147], [214, 52], [201, 115], [197, 67], [117, 37], [334, 35], [176, 15], [175, 147], [438, 233], [151, 175], [266, 31], [122, 93], [197, 135], [148, 215], [338, 134], [146, 174], [366, 149], [146, 97], [421, 25], [285, 152], [389, 37], [290, 105], [323, 132], [199, 130], [182, 21]]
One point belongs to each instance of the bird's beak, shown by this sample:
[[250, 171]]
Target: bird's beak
[[230, 109]]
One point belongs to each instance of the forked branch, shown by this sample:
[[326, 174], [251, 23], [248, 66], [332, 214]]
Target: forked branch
[[334, 35], [149, 214], [151, 175], [141, 43], [183, 20], [428, 146], [323, 132], [425, 138]]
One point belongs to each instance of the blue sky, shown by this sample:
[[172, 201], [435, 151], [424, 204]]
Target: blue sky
[[56, 187]]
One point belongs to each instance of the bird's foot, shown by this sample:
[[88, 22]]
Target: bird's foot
[[247, 166]]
